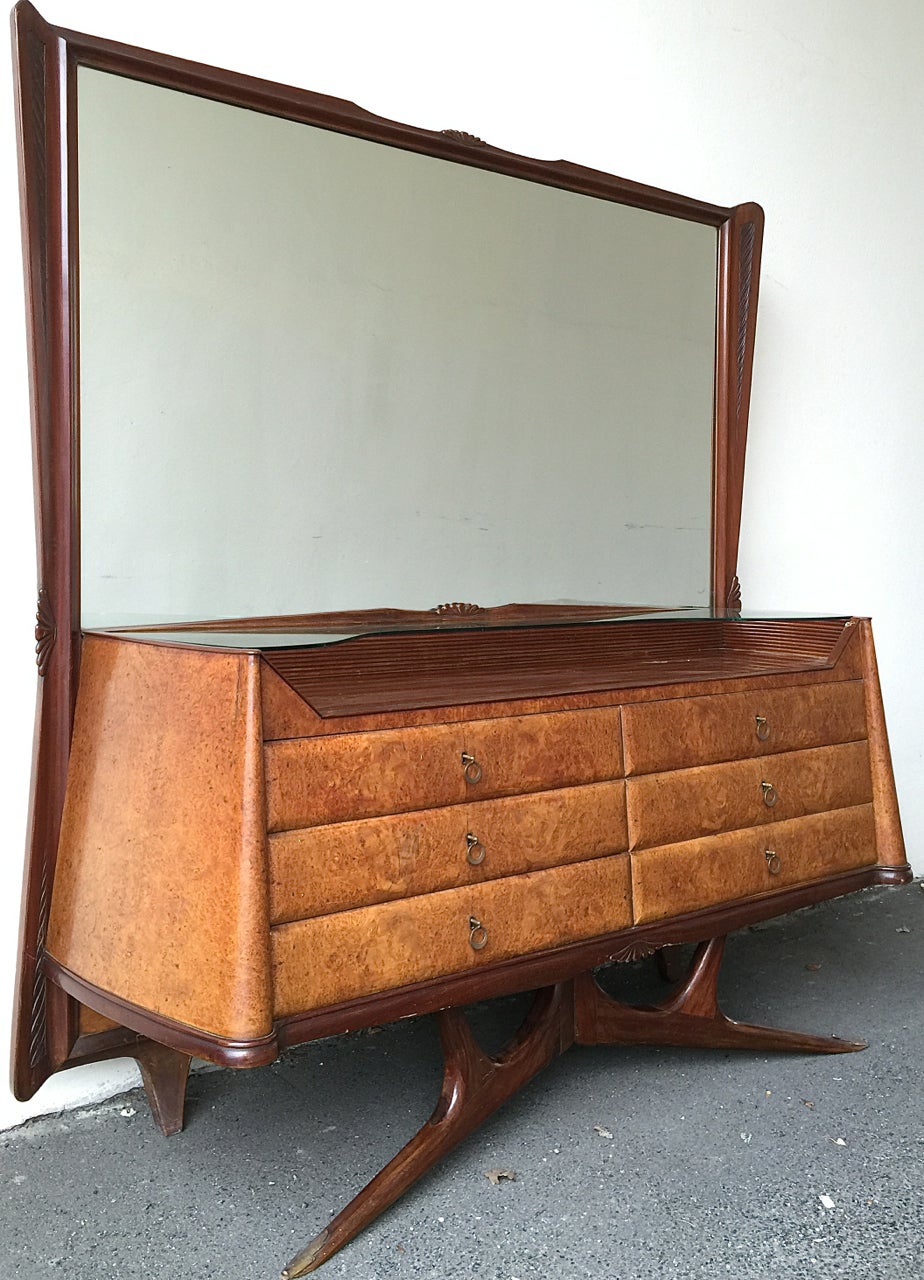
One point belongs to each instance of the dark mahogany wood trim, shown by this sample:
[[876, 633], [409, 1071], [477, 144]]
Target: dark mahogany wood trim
[[548, 967], [163, 1071], [896, 875], [569, 1013], [688, 1016], [474, 1085], [740, 241], [346, 117], [153, 1026], [444, 616], [42, 138]]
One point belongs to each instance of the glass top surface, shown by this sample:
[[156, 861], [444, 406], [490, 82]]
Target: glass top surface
[[239, 636]]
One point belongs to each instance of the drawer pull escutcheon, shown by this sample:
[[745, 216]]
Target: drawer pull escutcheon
[[478, 936], [471, 768], [476, 850], [763, 728], [770, 796], [773, 861]]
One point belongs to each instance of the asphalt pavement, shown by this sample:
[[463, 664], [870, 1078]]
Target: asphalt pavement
[[618, 1163]]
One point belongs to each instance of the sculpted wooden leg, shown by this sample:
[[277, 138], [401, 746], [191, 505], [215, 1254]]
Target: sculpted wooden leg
[[668, 960], [690, 1015], [164, 1072], [474, 1085]]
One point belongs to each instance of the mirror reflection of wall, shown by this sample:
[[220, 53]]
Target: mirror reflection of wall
[[320, 373]]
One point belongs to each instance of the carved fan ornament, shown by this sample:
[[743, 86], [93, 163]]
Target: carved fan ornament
[[634, 951], [733, 599], [46, 631], [457, 610], [458, 135]]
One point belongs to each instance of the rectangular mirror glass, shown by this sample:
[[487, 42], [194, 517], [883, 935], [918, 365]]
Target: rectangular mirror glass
[[318, 373]]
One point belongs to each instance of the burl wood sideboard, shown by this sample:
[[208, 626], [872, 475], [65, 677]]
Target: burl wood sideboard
[[289, 358]]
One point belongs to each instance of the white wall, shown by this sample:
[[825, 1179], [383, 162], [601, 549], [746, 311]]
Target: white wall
[[812, 107]]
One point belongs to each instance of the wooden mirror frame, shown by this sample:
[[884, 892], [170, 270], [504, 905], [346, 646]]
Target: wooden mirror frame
[[46, 61]]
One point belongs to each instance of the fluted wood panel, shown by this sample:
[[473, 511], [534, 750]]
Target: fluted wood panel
[[372, 673]]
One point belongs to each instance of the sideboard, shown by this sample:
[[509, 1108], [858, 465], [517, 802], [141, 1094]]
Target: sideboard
[[298, 372], [263, 847]]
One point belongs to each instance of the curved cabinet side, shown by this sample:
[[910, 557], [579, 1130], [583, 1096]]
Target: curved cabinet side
[[160, 889]]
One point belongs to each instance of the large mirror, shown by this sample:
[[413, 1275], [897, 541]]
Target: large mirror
[[321, 374], [290, 358]]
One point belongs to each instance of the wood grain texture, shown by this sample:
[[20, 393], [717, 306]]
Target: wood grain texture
[[687, 803], [677, 733], [160, 895], [690, 1015], [137, 1022], [286, 715], [44, 1024], [473, 1086], [353, 864], [399, 672], [313, 782], [889, 838], [740, 241], [679, 878], [91, 1023], [353, 953]]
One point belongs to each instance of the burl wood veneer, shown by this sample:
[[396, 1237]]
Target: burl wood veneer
[[338, 957], [317, 870], [161, 897], [223, 880]]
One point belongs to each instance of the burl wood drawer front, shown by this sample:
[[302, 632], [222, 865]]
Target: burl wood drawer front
[[355, 953], [313, 781], [686, 877], [682, 732], [353, 864], [666, 807]]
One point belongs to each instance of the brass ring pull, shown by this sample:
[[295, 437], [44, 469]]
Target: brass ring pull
[[773, 861], [476, 850], [471, 769], [770, 796], [478, 937], [763, 728]]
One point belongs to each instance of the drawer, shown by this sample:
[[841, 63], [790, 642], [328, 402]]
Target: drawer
[[682, 732], [664, 808], [356, 953], [313, 781], [353, 864], [678, 878]]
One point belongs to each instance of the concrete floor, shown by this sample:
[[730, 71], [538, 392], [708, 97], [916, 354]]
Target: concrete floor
[[628, 1163]]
